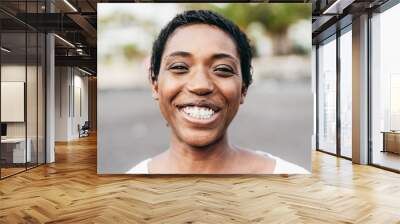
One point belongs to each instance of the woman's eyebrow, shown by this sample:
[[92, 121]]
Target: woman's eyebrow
[[179, 54], [213, 57], [224, 55]]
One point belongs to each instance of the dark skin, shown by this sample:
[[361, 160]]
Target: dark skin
[[200, 68]]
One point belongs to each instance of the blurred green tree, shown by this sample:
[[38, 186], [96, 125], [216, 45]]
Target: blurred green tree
[[276, 18], [131, 51]]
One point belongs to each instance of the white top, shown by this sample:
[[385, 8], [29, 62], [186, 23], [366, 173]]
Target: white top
[[281, 166]]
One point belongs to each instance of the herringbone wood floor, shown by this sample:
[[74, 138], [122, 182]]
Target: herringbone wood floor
[[70, 191]]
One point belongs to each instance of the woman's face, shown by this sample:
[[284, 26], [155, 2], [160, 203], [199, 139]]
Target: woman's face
[[199, 86]]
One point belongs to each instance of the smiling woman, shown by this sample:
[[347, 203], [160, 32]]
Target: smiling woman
[[200, 72]]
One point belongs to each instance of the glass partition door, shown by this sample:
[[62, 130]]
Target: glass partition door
[[385, 89], [15, 149], [22, 77], [327, 96], [346, 93]]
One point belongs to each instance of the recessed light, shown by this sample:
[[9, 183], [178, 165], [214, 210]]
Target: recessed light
[[70, 5], [84, 71], [5, 50], [64, 40]]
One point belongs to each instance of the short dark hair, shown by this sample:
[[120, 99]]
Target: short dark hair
[[210, 18]]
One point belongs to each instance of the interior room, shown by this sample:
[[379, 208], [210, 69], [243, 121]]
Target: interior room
[[22, 100], [48, 150], [385, 90]]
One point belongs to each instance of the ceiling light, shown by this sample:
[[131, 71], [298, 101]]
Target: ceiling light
[[84, 71], [79, 51], [70, 5], [5, 50], [331, 7], [337, 7], [64, 40]]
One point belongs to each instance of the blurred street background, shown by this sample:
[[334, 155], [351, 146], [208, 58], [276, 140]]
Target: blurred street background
[[276, 116]]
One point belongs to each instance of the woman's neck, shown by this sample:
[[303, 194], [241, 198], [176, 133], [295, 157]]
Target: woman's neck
[[192, 159]]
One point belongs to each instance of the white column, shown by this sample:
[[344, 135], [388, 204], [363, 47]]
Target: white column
[[50, 92], [63, 100], [360, 90], [50, 98]]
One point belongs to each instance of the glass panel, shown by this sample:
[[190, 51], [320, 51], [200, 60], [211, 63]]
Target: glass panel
[[13, 87], [346, 94], [22, 88], [41, 98], [31, 100], [386, 89], [327, 97], [41, 89], [31, 86], [313, 87]]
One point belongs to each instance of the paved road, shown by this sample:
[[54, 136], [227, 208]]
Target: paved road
[[276, 118]]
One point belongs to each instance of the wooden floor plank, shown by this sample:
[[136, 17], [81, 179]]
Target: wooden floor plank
[[70, 191]]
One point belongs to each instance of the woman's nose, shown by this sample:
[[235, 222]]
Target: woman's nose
[[200, 83]]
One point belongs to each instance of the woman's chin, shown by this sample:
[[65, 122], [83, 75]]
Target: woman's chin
[[200, 141]]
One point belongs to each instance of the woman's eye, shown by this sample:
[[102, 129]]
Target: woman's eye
[[179, 68], [224, 70]]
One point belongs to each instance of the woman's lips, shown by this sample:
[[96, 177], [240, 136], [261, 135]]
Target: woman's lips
[[202, 116], [200, 104]]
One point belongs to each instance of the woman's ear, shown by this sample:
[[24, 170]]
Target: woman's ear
[[153, 82], [243, 95], [154, 89]]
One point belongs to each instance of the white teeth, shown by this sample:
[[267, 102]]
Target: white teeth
[[198, 112]]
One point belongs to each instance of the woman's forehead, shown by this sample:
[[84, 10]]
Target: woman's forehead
[[200, 39]]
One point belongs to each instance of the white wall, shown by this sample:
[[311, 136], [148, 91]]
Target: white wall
[[70, 83], [79, 117], [34, 124], [62, 82], [12, 73]]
